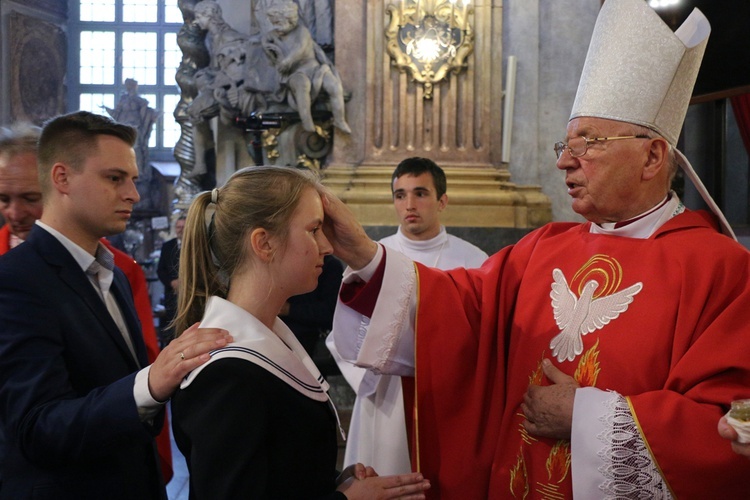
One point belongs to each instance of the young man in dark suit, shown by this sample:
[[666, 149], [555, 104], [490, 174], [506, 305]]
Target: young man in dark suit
[[79, 405]]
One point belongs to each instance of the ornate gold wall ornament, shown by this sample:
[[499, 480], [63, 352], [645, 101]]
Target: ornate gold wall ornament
[[429, 38], [307, 162], [270, 142]]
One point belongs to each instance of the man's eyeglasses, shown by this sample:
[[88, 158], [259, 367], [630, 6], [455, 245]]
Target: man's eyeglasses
[[577, 146]]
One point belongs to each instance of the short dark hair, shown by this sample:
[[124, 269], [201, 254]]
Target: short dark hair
[[418, 166], [71, 137]]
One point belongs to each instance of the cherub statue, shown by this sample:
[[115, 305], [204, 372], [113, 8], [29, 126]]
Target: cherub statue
[[209, 17], [302, 65]]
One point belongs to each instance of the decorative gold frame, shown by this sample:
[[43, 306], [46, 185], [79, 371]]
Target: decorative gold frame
[[446, 23]]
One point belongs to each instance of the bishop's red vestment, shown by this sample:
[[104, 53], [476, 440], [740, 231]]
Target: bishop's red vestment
[[660, 322]]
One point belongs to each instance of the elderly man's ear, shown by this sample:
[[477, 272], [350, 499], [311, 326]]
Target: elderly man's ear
[[657, 158]]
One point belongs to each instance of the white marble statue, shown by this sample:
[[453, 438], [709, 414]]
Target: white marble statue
[[134, 110], [304, 68]]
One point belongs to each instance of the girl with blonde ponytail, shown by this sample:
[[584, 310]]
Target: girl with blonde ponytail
[[256, 421]]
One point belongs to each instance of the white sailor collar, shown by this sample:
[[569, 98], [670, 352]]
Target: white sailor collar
[[278, 351]]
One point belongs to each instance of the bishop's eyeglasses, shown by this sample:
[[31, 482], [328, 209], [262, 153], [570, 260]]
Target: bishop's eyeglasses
[[577, 146]]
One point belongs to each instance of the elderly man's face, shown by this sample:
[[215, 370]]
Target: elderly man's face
[[20, 195], [606, 183]]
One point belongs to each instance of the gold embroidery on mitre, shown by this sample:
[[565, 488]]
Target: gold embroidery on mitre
[[596, 305]]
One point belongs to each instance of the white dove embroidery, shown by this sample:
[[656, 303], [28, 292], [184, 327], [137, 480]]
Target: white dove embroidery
[[578, 317]]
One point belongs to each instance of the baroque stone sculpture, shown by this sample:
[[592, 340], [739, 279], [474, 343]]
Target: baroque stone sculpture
[[302, 65], [277, 71]]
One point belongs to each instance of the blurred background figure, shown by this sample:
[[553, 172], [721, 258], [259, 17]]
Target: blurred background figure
[[20, 195], [169, 264]]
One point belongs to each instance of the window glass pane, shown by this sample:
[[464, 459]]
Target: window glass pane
[[94, 102], [98, 10], [139, 57], [140, 11], [171, 129], [97, 57], [172, 12], [172, 58], [130, 50]]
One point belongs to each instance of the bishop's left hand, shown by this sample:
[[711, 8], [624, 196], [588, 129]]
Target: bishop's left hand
[[549, 409]]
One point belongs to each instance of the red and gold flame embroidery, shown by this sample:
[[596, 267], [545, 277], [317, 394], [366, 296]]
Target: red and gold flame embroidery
[[608, 273], [537, 375], [558, 462], [519, 480], [588, 367], [558, 467]]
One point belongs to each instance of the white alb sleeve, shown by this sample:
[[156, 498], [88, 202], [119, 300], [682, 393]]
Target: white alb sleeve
[[383, 343]]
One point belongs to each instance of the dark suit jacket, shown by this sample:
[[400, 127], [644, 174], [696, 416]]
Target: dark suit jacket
[[68, 415], [243, 431], [167, 270]]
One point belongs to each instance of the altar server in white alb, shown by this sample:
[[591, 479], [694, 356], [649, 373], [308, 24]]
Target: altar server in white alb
[[378, 428]]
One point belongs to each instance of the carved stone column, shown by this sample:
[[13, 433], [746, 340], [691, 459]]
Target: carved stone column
[[459, 128]]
